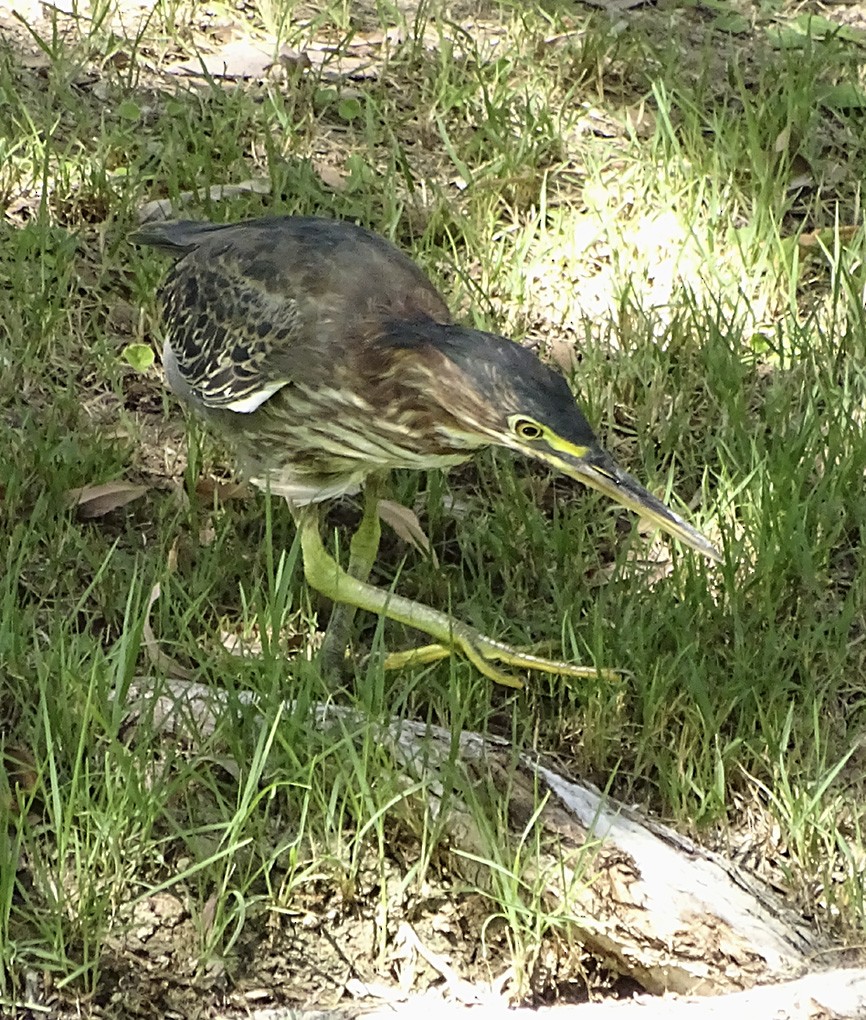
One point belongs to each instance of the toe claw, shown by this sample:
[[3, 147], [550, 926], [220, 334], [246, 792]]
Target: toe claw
[[483, 652]]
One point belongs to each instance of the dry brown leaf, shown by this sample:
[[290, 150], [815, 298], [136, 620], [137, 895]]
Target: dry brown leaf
[[783, 140], [335, 65], [245, 642], [640, 119], [241, 645], [332, 177], [20, 773], [207, 488], [208, 914], [207, 535], [393, 35], [801, 174], [36, 60], [562, 352], [294, 60], [801, 180], [567, 35], [828, 235], [171, 667], [172, 556], [405, 524], [224, 762], [98, 500]]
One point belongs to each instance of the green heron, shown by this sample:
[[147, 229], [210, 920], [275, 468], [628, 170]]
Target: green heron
[[328, 358]]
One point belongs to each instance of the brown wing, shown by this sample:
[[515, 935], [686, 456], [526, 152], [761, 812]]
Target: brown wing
[[251, 307]]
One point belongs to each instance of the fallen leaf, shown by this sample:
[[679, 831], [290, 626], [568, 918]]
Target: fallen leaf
[[800, 181], [207, 488], [330, 176], [208, 913], [93, 501], [245, 641], [19, 773], [242, 59], [242, 645], [36, 60], [783, 139], [828, 235], [163, 662], [802, 174], [458, 508], [562, 352], [335, 66], [370, 41], [139, 356], [405, 524], [294, 60], [224, 762], [171, 561], [640, 119], [119, 60]]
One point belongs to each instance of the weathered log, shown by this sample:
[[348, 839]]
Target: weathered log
[[647, 901], [651, 903], [831, 995]]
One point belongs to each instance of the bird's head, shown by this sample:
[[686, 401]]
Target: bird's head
[[499, 392]]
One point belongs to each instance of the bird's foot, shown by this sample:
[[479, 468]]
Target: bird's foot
[[350, 590], [483, 651]]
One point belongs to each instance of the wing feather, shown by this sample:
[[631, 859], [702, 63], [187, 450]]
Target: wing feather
[[250, 308]]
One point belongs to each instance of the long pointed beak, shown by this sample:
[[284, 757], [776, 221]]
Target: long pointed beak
[[600, 471]]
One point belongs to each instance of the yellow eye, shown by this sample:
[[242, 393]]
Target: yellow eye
[[526, 428]]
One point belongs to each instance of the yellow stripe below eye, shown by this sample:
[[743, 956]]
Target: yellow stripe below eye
[[563, 446]]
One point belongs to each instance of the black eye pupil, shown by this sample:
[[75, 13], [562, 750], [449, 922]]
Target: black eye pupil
[[529, 430]]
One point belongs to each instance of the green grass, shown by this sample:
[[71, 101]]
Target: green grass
[[718, 358]]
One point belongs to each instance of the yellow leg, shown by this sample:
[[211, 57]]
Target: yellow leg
[[325, 575], [363, 550]]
